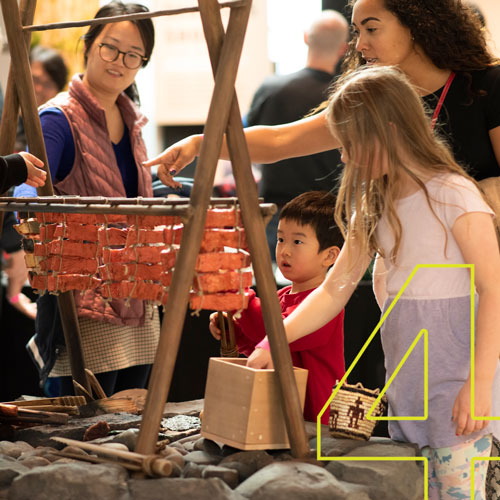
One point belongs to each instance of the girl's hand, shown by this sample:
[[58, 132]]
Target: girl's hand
[[462, 408], [175, 158], [213, 326], [36, 176], [260, 359]]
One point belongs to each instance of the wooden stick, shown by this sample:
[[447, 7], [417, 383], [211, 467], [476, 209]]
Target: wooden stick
[[81, 391], [149, 464], [86, 200], [222, 326], [232, 336], [95, 385], [22, 204], [130, 17], [58, 401], [95, 460], [27, 99], [255, 231], [175, 310], [10, 112]]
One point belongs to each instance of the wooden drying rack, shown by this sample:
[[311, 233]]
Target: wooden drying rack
[[223, 117]]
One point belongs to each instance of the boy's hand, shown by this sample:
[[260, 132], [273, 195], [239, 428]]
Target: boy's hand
[[213, 326], [260, 359], [461, 414], [36, 176]]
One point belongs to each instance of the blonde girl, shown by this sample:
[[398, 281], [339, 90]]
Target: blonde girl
[[408, 202]]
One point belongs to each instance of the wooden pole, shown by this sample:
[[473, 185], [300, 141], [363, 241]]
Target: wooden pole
[[24, 85], [10, 112], [176, 306], [129, 17], [261, 260]]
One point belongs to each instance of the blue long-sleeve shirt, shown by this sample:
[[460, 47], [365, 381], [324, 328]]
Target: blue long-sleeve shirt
[[60, 147]]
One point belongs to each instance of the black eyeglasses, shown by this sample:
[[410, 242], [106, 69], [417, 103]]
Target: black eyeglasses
[[110, 53]]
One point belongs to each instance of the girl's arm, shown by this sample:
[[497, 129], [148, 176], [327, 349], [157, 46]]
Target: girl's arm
[[322, 305], [266, 144], [476, 238], [379, 281], [495, 142]]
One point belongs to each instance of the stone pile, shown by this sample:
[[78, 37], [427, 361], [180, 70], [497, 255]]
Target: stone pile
[[31, 470]]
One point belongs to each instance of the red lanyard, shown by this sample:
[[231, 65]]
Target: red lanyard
[[441, 100]]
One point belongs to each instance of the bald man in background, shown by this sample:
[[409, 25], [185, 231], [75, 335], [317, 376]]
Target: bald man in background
[[286, 98]]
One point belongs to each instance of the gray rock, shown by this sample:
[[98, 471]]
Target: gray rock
[[10, 468], [128, 438], [70, 481], [42, 451], [34, 461], [23, 445], [41, 435], [244, 470], [229, 450], [229, 476], [193, 470], [300, 481], [399, 479], [207, 445], [201, 458], [181, 489], [188, 441], [192, 408], [10, 449], [179, 447], [336, 447], [247, 462]]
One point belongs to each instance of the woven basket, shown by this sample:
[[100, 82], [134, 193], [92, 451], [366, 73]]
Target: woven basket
[[349, 408]]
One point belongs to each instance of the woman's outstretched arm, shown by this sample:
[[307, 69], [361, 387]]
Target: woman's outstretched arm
[[266, 144]]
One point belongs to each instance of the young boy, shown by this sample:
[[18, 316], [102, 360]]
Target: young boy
[[18, 168], [309, 242]]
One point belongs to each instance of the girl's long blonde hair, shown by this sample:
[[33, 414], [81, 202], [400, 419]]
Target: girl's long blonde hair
[[379, 119]]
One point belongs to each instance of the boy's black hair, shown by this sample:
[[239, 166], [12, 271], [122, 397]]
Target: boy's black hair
[[316, 209]]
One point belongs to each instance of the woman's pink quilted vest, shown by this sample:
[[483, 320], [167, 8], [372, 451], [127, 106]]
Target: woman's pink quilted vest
[[95, 173]]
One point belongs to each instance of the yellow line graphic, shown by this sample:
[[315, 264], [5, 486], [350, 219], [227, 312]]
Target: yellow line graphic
[[423, 333]]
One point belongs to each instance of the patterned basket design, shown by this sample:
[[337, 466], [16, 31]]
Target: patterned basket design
[[349, 408]]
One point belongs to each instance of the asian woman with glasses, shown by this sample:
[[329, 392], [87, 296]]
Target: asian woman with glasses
[[95, 148]]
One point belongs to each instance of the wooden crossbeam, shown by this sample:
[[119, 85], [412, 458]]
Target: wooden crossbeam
[[130, 17]]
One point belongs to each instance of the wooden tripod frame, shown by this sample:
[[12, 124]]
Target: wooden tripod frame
[[223, 117]]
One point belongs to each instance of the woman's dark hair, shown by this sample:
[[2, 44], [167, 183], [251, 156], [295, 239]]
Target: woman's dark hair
[[145, 27], [53, 64], [448, 32]]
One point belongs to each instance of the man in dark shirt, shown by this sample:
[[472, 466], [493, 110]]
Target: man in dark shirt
[[286, 98]]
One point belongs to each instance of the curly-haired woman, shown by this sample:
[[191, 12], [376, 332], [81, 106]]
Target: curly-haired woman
[[439, 45]]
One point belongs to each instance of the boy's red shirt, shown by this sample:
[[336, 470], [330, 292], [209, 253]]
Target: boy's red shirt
[[320, 352]]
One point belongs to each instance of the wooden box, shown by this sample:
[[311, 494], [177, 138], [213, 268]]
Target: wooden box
[[242, 405]]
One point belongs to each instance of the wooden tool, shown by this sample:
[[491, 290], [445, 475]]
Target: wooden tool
[[228, 349], [151, 465], [107, 405], [64, 404], [95, 388], [12, 414]]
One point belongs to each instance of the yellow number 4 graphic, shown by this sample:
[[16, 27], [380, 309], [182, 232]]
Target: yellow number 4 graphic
[[422, 334]]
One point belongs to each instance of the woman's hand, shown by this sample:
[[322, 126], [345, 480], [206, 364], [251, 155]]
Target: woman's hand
[[175, 158], [461, 414], [36, 176], [260, 359]]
